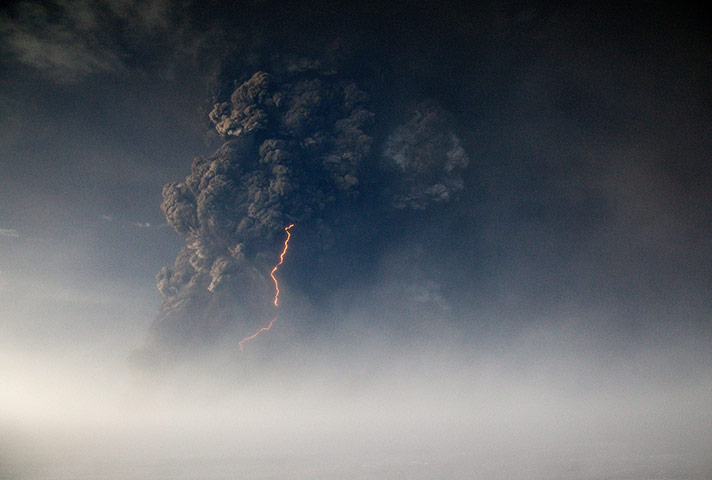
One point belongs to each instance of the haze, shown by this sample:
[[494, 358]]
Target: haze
[[499, 268]]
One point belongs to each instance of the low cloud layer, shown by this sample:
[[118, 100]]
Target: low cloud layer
[[386, 410]]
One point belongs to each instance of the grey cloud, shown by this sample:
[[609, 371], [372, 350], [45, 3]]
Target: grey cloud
[[9, 232], [295, 145], [325, 62], [291, 148], [428, 292], [71, 40], [426, 157], [67, 45], [325, 66], [327, 120], [124, 223], [58, 54], [245, 112]]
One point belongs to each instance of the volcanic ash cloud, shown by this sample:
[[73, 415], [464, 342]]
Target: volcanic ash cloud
[[292, 147], [426, 157]]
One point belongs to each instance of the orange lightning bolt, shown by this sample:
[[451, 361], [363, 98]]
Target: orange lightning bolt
[[281, 259], [263, 329], [276, 287]]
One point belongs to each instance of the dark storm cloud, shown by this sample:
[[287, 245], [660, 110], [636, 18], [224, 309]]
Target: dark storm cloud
[[292, 147], [67, 45], [551, 107], [296, 146], [327, 121], [607, 129], [71, 40], [427, 158]]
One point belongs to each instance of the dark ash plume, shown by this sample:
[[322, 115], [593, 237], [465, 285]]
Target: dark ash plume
[[292, 148], [426, 157]]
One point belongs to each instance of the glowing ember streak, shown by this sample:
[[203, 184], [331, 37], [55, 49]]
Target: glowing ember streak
[[281, 259], [276, 287]]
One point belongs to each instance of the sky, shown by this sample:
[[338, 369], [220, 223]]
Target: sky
[[499, 265]]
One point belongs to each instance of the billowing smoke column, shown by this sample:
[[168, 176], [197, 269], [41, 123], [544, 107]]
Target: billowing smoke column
[[427, 158], [293, 147]]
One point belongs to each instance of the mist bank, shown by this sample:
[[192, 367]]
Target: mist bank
[[550, 404]]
